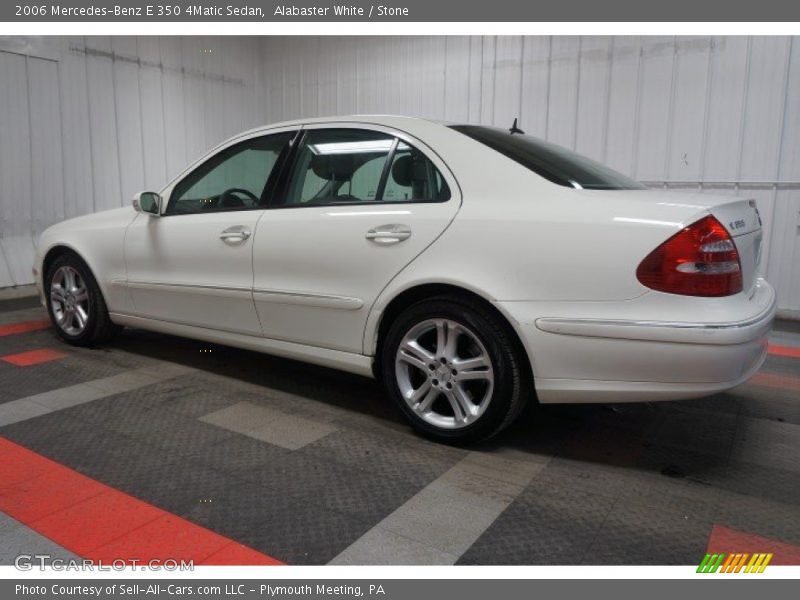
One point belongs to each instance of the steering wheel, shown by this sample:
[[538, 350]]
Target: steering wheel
[[343, 199], [228, 197]]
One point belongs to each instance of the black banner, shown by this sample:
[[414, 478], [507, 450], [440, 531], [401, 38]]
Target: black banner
[[742, 586], [401, 11]]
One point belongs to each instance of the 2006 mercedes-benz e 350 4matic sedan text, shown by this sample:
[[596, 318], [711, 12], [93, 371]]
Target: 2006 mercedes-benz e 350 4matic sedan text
[[470, 268]]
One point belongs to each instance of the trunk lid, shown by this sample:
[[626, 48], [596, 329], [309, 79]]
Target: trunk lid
[[664, 212]]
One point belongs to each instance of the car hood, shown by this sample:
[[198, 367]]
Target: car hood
[[122, 216], [66, 231]]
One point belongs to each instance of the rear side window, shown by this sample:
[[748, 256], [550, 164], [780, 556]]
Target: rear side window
[[413, 178], [351, 166], [553, 162]]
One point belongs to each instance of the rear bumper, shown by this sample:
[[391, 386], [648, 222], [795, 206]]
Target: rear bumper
[[584, 391], [585, 358]]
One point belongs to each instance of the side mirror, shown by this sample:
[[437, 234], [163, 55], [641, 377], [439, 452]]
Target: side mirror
[[147, 202]]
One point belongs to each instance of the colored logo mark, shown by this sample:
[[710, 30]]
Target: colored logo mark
[[735, 562]]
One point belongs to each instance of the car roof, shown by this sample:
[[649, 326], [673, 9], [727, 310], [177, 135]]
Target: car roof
[[387, 120]]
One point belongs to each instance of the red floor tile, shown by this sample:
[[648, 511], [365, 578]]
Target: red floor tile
[[236, 554], [168, 537], [33, 357], [788, 351], [723, 539], [98, 522], [16, 472], [54, 490], [23, 327]]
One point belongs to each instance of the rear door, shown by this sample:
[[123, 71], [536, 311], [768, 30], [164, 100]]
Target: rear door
[[358, 204]]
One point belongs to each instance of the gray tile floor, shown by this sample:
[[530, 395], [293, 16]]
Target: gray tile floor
[[313, 466], [21, 541]]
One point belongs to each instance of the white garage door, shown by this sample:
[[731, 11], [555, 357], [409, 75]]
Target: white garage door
[[30, 122]]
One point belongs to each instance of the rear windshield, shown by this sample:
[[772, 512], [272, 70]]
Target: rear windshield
[[552, 162]]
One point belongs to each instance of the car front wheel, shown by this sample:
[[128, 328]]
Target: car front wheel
[[454, 370], [75, 303]]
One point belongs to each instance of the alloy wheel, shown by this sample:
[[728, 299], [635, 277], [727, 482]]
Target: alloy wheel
[[69, 300], [444, 373]]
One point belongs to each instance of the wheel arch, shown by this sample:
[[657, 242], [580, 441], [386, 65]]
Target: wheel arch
[[415, 293], [60, 249], [56, 250]]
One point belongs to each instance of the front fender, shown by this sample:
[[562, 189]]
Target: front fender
[[99, 240]]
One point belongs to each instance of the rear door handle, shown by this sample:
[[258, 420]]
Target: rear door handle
[[235, 235], [389, 234]]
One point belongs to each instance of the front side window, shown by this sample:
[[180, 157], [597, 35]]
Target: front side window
[[234, 179], [346, 166], [554, 163]]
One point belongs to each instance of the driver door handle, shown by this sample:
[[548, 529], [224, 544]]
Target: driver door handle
[[236, 234], [389, 234]]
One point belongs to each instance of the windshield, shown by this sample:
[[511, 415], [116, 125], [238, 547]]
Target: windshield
[[555, 163]]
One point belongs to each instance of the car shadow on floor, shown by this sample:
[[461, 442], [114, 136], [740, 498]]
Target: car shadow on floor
[[619, 483], [612, 435]]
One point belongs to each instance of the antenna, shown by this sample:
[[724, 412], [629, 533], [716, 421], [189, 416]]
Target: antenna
[[514, 129]]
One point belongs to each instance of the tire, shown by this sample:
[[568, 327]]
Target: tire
[[494, 383], [78, 311]]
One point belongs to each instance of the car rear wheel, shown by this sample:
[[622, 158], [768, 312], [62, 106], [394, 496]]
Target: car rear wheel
[[75, 303], [453, 369]]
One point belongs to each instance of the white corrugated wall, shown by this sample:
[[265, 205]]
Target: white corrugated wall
[[715, 114], [86, 122]]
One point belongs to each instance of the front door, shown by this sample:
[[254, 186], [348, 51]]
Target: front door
[[194, 264], [359, 204]]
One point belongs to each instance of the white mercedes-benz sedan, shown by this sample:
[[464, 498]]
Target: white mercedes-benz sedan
[[469, 268]]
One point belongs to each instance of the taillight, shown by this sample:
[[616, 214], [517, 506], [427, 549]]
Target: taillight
[[700, 260]]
